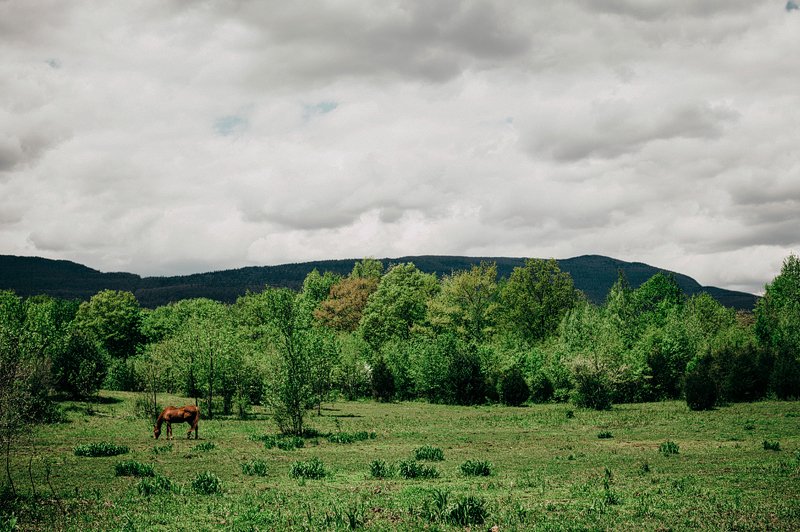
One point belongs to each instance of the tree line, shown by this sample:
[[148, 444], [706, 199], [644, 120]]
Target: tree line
[[402, 334]]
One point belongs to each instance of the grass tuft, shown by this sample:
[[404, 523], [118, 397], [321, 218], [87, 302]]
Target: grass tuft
[[431, 454], [132, 468], [255, 468], [668, 447], [100, 449], [476, 468], [313, 469], [412, 469], [207, 483]]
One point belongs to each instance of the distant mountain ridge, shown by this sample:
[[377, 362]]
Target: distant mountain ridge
[[592, 274]]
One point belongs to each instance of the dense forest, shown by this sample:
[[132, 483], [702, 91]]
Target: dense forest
[[470, 337], [593, 275]]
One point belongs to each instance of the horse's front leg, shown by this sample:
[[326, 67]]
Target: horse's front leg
[[169, 430]]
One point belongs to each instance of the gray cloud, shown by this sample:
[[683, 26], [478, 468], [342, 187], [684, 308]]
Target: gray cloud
[[173, 137]]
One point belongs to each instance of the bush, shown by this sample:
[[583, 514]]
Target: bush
[[412, 469], [207, 483], [592, 388], [255, 468], [512, 387], [313, 469], [772, 445], [469, 510], [476, 468], [426, 452], [205, 446], [699, 388], [668, 447], [100, 449], [604, 435], [155, 486], [121, 376], [132, 468], [541, 389], [785, 378], [383, 387], [380, 469]]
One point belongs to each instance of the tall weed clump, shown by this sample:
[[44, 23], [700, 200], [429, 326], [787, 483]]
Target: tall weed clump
[[100, 449], [426, 452], [207, 483], [312, 469], [132, 468], [476, 468], [409, 469]]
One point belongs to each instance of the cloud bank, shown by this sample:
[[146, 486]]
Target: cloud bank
[[166, 137]]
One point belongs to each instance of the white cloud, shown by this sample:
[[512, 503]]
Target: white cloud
[[175, 137]]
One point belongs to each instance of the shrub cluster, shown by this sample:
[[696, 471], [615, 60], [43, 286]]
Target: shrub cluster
[[604, 435], [205, 446], [100, 449]]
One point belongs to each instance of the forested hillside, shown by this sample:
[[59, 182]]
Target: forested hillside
[[592, 274]]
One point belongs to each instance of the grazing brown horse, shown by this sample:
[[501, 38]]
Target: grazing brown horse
[[185, 414]]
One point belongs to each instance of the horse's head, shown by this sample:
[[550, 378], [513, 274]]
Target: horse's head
[[156, 431]]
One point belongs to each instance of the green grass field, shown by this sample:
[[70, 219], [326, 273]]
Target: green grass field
[[550, 470]]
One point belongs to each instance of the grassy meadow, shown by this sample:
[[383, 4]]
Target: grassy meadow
[[553, 467]]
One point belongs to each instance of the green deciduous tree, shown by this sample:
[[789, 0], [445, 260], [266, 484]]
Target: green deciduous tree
[[467, 303], [535, 299], [112, 319], [398, 305]]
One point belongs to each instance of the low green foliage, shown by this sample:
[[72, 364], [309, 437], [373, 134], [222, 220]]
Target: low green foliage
[[207, 483], [467, 511], [412, 469], [476, 468], [132, 468], [351, 437], [156, 485], [255, 468], [161, 449], [282, 442], [668, 447], [426, 452], [380, 469], [772, 445], [100, 449], [548, 472], [604, 435], [205, 446], [312, 469]]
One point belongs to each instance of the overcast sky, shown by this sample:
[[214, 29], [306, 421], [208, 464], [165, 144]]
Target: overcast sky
[[164, 137]]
